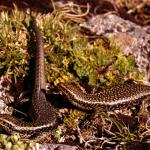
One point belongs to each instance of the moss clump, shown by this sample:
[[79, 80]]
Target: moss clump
[[69, 55], [13, 44], [72, 57], [14, 143], [72, 119]]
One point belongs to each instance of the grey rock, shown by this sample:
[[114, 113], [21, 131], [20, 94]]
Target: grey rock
[[130, 37], [55, 147]]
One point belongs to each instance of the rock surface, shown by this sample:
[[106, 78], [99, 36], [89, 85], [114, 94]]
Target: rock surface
[[55, 147], [130, 37]]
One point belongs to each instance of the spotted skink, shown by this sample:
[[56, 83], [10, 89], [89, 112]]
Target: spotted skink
[[42, 113], [116, 97]]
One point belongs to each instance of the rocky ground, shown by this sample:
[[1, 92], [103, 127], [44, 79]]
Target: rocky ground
[[127, 25]]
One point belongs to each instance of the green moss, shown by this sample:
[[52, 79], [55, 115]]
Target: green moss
[[72, 119], [13, 43], [69, 55], [14, 143], [75, 58]]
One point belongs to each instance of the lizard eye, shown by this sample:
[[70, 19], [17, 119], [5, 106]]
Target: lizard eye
[[148, 108]]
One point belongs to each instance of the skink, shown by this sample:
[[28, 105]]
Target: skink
[[116, 97], [42, 113]]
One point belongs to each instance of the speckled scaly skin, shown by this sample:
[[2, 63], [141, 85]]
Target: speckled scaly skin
[[42, 113], [116, 97]]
